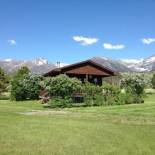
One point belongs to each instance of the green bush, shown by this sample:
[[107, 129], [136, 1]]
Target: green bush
[[134, 85], [31, 86], [62, 86], [17, 90], [106, 95], [61, 89], [153, 81], [93, 94], [126, 98], [25, 86], [111, 94], [4, 81], [59, 102]]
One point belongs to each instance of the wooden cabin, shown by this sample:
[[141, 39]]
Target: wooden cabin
[[87, 71]]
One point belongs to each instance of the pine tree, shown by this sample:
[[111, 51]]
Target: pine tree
[[16, 87], [4, 80]]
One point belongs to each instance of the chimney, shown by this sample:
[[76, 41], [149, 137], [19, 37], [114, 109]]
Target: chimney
[[58, 64]]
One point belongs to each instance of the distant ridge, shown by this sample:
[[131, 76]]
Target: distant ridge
[[41, 65], [112, 64], [38, 66]]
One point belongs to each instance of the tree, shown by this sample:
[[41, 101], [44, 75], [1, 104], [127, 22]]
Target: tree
[[21, 73], [17, 91], [4, 80], [153, 81]]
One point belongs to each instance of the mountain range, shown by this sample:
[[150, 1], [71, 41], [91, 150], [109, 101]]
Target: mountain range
[[41, 65]]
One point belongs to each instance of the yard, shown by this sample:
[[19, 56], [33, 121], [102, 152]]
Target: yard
[[28, 128]]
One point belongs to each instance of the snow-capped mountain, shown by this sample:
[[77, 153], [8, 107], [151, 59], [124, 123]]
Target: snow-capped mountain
[[149, 63], [115, 65], [41, 61], [38, 66], [41, 65], [140, 65]]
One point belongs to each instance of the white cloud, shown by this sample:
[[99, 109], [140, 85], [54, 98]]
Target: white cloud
[[113, 47], [84, 40], [12, 42], [148, 40]]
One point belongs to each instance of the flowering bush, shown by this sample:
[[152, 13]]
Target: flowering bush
[[134, 85], [27, 87], [31, 86], [62, 86]]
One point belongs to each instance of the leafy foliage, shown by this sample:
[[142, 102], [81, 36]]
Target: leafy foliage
[[112, 94], [134, 85], [93, 94], [59, 102], [153, 81], [62, 86], [4, 80], [31, 86], [17, 90], [26, 88], [20, 73], [147, 77]]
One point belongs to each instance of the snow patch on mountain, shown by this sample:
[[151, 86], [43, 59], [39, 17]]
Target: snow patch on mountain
[[41, 61], [41, 65], [135, 61], [8, 60]]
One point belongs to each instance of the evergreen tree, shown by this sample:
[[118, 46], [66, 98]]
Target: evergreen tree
[[4, 80], [16, 86]]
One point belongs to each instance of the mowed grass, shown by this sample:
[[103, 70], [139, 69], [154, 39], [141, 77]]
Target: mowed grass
[[26, 128]]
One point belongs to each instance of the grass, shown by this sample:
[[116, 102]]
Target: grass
[[26, 128]]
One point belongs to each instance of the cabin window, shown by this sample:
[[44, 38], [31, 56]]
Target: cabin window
[[95, 80]]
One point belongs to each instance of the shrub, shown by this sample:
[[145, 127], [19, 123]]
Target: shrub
[[63, 86], [61, 89], [106, 95], [58, 102], [17, 91], [93, 94], [145, 77], [125, 98], [111, 94], [134, 85], [25, 86], [4, 80], [31, 86], [153, 81]]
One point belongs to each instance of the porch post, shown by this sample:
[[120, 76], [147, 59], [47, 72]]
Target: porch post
[[86, 77]]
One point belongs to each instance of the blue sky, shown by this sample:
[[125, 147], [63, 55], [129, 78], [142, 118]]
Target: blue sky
[[73, 30]]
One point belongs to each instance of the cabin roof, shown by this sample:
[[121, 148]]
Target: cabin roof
[[62, 70]]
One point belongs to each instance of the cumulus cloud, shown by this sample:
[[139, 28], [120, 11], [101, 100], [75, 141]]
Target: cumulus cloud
[[12, 42], [148, 41], [84, 40], [113, 47]]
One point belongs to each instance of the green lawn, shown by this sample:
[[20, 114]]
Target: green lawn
[[28, 128]]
